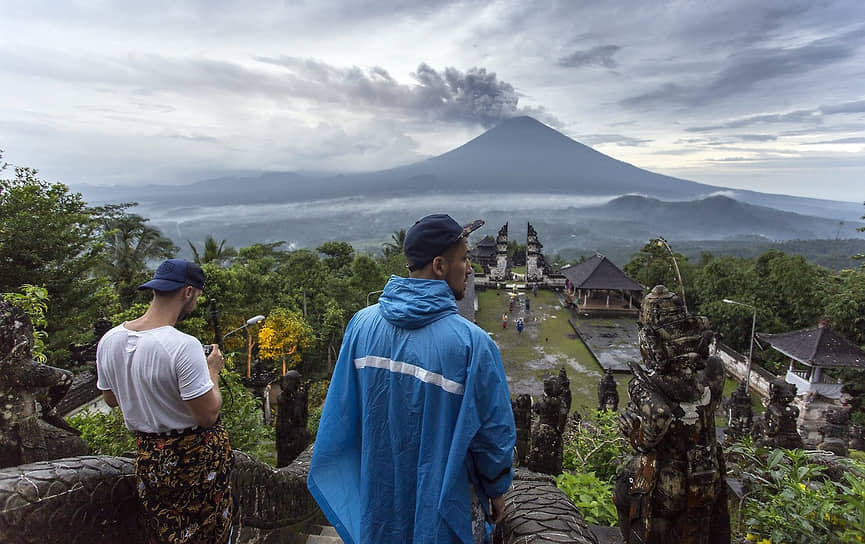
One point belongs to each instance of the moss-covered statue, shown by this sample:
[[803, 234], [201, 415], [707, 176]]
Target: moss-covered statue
[[672, 489], [30, 431]]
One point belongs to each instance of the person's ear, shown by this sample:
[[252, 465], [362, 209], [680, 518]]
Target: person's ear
[[439, 267]]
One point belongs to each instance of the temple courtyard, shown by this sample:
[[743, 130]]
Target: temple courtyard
[[547, 343]]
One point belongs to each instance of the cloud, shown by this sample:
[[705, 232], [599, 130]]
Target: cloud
[[601, 55], [744, 70], [618, 139], [757, 137], [851, 140], [797, 116], [473, 96]]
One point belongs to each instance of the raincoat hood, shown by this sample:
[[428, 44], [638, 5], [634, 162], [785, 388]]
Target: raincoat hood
[[412, 303]]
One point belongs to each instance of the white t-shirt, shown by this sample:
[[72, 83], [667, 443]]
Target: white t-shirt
[[152, 373]]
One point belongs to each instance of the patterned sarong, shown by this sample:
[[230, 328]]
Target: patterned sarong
[[184, 485]]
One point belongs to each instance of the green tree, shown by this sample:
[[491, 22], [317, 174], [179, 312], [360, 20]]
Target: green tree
[[49, 237], [395, 246], [129, 243], [34, 301], [214, 252], [653, 265], [338, 256], [792, 287]]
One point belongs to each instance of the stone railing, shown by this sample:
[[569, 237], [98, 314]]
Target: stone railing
[[537, 511], [92, 499]]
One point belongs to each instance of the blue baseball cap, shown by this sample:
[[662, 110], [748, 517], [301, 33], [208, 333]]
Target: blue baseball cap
[[174, 274], [432, 236]]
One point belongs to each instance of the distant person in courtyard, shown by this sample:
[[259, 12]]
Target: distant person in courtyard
[[417, 435], [167, 391], [505, 320]]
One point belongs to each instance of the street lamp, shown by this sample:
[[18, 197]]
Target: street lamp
[[250, 321], [663, 243], [372, 293], [244, 327], [751, 349]]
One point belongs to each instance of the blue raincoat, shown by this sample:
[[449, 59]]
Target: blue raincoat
[[418, 407]]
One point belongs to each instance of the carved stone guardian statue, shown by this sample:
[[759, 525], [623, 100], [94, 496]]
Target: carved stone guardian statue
[[29, 390], [292, 435], [835, 431], [857, 436], [546, 452], [522, 408], [741, 415], [777, 428], [565, 396], [608, 394], [86, 353], [673, 489]]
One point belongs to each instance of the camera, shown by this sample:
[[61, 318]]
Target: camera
[[207, 349]]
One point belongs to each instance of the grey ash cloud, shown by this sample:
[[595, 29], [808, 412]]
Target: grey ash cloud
[[473, 96], [601, 55]]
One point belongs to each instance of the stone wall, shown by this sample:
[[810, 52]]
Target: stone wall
[[736, 365]]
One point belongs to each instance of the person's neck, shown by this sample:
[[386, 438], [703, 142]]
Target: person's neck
[[157, 315]]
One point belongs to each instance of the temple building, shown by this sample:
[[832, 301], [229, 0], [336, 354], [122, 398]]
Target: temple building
[[484, 253], [811, 352], [598, 285]]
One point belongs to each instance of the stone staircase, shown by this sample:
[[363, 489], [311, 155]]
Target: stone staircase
[[327, 535]]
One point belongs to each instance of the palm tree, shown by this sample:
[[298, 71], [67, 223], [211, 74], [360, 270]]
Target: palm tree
[[394, 248], [213, 253], [128, 245]]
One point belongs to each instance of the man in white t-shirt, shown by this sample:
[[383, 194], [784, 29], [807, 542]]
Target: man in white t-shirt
[[167, 391]]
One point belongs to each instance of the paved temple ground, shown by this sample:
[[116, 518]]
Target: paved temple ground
[[547, 343], [613, 340]]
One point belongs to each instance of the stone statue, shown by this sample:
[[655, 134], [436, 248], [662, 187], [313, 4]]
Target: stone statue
[[857, 437], [522, 407], [608, 394], [86, 353], [741, 415], [672, 488], [835, 431], [29, 390], [565, 389], [292, 435], [546, 453], [777, 428]]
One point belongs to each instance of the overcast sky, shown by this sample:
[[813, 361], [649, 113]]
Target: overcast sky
[[765, 95]]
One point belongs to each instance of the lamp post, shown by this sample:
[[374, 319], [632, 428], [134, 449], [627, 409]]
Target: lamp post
[[751, 349], [372, 293], [250, 321], [663, 243]]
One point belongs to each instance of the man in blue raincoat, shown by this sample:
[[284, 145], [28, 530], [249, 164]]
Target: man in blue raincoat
[[416, 436]]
